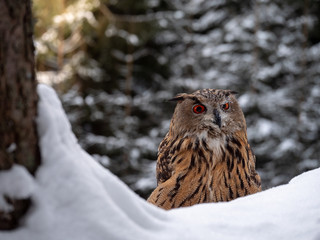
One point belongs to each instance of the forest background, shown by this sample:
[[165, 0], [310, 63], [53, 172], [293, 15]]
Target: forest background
[[116, 63]]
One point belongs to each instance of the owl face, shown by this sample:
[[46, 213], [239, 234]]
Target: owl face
[[215, 112]]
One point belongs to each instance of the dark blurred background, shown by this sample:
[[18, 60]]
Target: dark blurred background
[[115, 63]]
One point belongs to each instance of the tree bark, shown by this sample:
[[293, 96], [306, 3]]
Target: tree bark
[[18, 98]]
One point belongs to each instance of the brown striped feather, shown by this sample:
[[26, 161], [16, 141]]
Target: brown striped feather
[[194, 169]]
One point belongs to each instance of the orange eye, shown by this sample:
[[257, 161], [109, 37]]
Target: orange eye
[[225, 106], [199, 109]]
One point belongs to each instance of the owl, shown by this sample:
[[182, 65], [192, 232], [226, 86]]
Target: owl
[[205, 156]]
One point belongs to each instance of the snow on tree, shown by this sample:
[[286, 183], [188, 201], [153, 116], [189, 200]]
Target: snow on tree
[[118, 74], [266, 51], [130, 56]]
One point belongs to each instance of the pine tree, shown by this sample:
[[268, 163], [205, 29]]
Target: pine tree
[[265, 50], [110, 79], [122, 59]]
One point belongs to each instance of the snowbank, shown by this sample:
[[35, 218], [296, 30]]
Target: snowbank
[[75, 198]]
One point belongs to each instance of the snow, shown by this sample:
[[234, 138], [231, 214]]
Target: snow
[[209, 18], [74, 197], [72, 14], [11, 148], [130, 38], [15, 183]]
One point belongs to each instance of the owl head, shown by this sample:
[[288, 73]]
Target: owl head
[[211, 111]]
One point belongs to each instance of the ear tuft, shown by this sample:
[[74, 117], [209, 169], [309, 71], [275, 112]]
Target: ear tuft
[[179, 98]]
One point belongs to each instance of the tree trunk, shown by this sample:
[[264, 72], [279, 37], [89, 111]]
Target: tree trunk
[[18, 98]]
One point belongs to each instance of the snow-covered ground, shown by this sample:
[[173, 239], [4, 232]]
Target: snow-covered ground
[[75, 198]]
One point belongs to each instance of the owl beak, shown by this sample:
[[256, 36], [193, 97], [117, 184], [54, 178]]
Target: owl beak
[[217, 118]]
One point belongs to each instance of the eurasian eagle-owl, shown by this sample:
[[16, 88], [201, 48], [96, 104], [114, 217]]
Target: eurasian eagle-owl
[[205, 156]]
